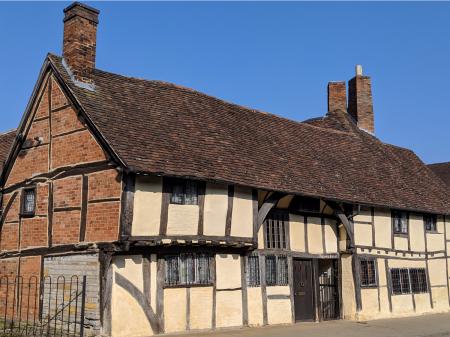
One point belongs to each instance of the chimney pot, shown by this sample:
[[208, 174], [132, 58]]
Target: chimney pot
[[80, 40], [358, 70]]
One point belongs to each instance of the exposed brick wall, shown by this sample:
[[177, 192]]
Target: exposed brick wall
[[28, 163], [67, 192], [58, 98], [65, 120], [30, 266], [72, 147], [103, 221], [43, 108], [40, 128], [66, 227], [9, 239], [42, 199], [34, 232], [104, 184], [76, 148]]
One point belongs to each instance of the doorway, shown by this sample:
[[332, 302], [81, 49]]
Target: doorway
[[315, 285], [303, 290]]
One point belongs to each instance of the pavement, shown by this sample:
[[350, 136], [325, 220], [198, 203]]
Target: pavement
[[430, 325]]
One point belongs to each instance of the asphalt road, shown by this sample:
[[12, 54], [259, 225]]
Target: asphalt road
[[434, 325]]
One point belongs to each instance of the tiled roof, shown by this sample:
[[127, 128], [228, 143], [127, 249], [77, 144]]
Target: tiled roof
[[6, 140], [158, 127], [442, 170]]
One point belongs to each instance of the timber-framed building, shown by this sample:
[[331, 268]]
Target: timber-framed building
[[187, 212]]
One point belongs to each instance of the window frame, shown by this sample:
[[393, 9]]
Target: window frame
[[181, 284], [271, 242], [171, 184], [433, 217], [395, 213], [279, 279], [411, 288], [23, 211], [375, 272], [253, 279]]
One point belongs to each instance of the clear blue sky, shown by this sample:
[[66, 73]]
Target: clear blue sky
[[276, 57]]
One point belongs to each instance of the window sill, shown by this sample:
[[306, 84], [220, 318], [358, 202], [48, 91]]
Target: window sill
[[370, 286], [27, 215], [433, 232], [167, 286], [403, 235]]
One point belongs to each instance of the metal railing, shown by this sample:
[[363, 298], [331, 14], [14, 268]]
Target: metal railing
[[48, 307]]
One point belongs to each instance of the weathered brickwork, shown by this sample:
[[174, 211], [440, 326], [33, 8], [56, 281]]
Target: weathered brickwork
[[103, 221], [76, 148], [65, 120], [29, 163], [66, 227], [58, 99], [33, 232], [60, 144], [67, 192], [105, 184], [10, 236]]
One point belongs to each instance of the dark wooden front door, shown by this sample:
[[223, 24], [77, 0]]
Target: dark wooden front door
[[303, 290]]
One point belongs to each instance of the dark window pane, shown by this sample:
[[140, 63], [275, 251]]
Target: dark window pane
[[29, 201], [430, 222], [396, 282], [275, 228], [400, 222], [188, 269], [253, 271], [271, 270], [191, 194], [177, 193], [368, 273]]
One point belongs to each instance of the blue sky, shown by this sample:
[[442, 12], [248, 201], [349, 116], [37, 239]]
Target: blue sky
[[276, 57]]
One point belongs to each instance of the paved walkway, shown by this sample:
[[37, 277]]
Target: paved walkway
[[435, 325]]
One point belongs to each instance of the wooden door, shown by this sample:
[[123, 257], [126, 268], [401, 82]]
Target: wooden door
[[303, 290]]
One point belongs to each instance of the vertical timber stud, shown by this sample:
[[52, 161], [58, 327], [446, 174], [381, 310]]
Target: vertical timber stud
[[426, 267], [214, 294], [50, 214], [339, 263], [49, 95], [372, 214], [291, 286], [388, 283], [160, 293], [357, 281], [244, 290], [188, 308], [229, 210], [318, 313], [377, 274], [305, 221], [106, 283], [126, 214], [255, 215], [446, 257], [84, 201], [262, 268], [322, 227], [201, 206], [165, 206]]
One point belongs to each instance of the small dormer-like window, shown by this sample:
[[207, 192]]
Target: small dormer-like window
[[400, 222], [29, 201], [184, 192], [429, 221]]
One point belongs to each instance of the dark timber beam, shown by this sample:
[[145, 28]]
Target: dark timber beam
[[340, 214], [268, 204]]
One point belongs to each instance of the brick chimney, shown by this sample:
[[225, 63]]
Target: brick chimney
[[360, 105], [79, 43], [337, 96]]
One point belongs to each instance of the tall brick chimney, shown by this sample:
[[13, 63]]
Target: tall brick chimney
[[80, 39], [360, 105], [337, 96]]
